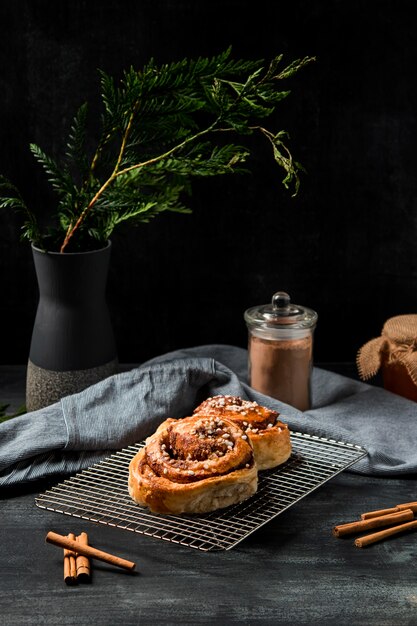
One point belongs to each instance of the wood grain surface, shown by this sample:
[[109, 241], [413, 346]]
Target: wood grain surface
[[292, 571]]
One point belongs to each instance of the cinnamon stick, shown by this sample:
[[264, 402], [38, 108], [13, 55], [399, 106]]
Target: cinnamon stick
[[398, 507], [83, 562], [64, 542], [362, 542], [375, 522], [408, 505], [70, 570], [371, 514]]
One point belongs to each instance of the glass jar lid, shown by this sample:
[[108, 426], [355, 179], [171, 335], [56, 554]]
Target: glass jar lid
[[280, 314]]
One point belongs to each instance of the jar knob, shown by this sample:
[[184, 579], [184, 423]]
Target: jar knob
[[281, 302]]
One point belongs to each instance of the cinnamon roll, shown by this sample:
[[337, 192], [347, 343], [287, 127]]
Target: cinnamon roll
[[269, 436], [193, 465]]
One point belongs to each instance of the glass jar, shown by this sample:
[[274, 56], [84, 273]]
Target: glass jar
[[281, 350], [395, 354]]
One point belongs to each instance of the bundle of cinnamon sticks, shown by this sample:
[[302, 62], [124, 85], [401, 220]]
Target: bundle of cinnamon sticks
[[76, 566], [77, 554], [395, 520]]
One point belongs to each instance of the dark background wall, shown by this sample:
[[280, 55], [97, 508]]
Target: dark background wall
[[345, 246]]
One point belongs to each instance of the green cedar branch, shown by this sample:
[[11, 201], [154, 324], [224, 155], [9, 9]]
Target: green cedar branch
[[160, 127]]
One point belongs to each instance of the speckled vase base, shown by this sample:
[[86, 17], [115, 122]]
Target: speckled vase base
[[44, 387]]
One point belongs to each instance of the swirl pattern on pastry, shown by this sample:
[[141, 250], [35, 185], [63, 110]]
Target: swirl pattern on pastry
[[193, 465], [269, 436]]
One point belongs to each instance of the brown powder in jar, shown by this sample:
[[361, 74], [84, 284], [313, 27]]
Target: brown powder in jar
[[281, 369]]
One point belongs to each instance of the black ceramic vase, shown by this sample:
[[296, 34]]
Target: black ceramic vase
[[72, 343]]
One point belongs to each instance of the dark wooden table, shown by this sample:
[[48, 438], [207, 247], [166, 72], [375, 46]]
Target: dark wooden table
[[291, 571]]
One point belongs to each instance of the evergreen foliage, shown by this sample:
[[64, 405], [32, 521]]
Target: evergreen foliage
[[160, 127]]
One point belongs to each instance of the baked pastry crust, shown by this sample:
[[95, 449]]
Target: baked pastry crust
[[193, 465], [270, 437]]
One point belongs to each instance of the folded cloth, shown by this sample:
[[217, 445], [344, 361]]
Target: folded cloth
[[123, 409]]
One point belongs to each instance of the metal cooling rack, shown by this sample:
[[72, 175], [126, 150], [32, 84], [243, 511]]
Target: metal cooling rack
[[99, 494]]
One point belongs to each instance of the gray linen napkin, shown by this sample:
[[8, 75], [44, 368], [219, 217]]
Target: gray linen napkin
[[125, 408]]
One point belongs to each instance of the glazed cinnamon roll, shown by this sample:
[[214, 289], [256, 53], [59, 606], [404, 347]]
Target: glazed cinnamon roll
[[269, 436], [193, 465]]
